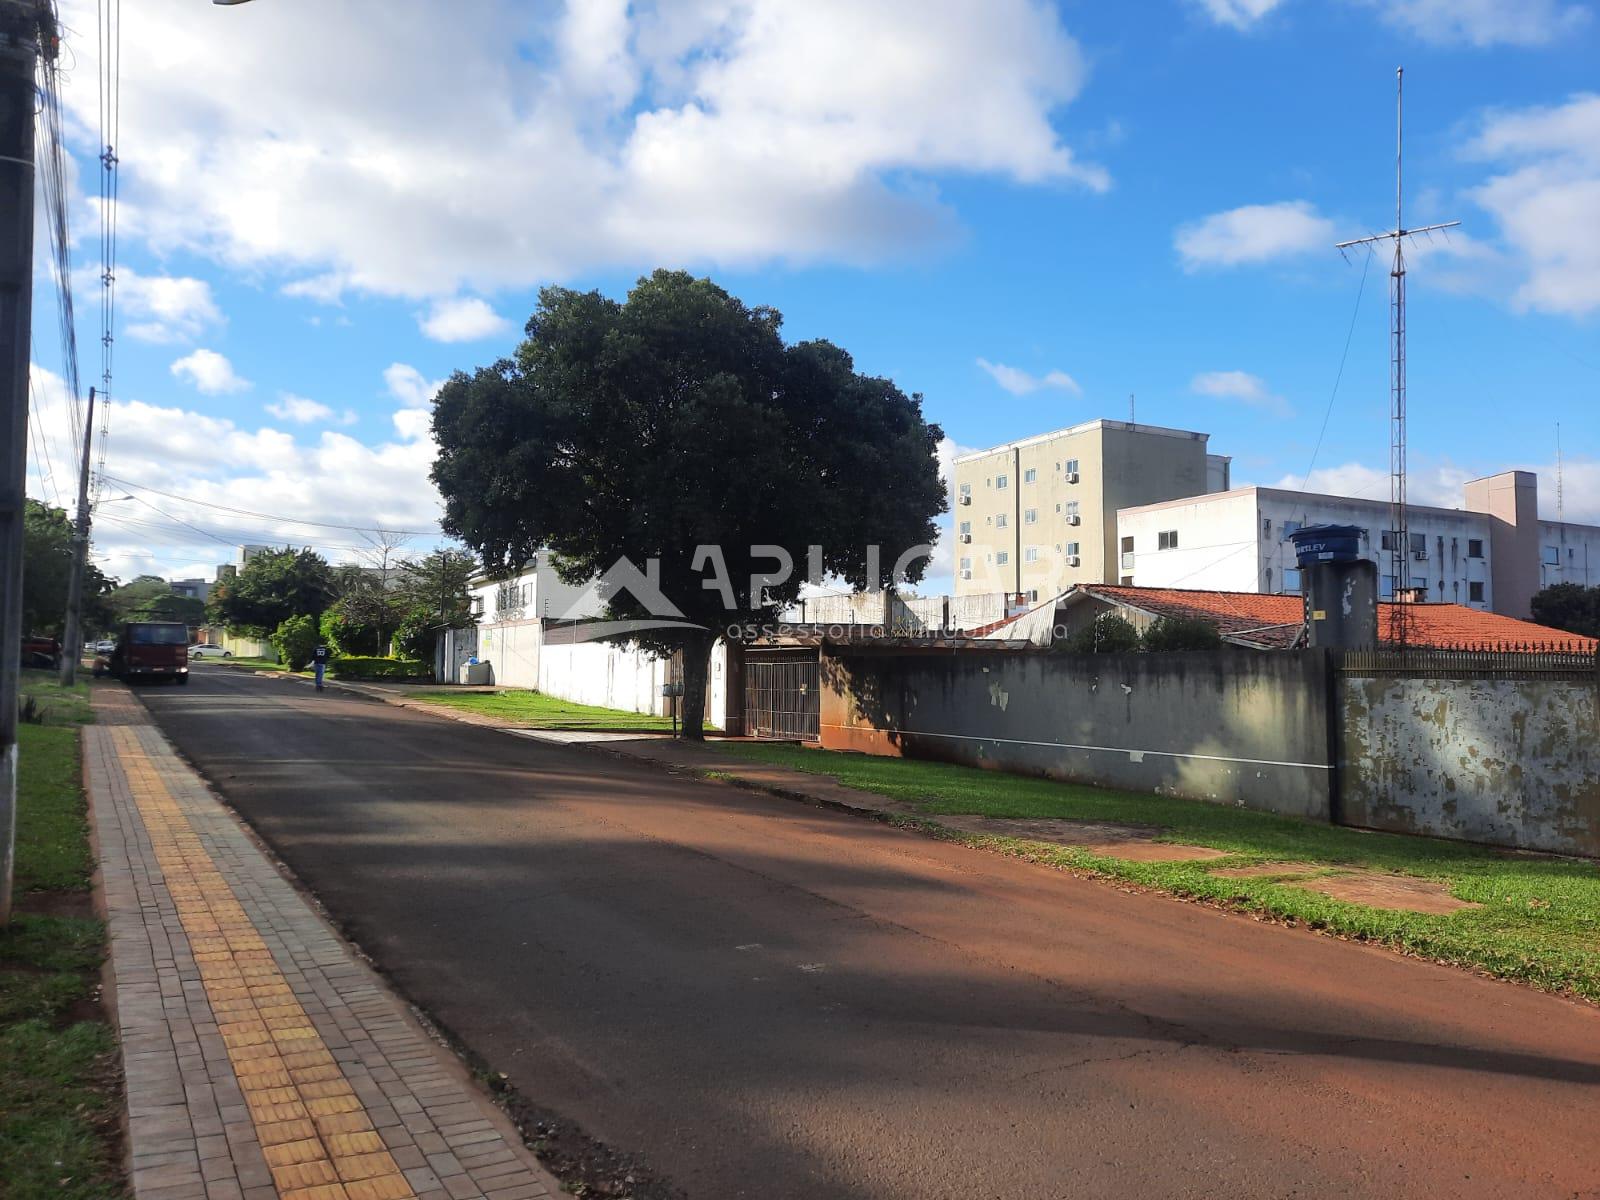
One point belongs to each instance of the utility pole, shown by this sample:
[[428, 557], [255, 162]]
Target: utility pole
[[21, 24], [72, 633], [1399, 563]]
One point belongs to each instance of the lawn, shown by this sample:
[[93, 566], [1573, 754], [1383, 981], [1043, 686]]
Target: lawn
[[59, 1095], [1540, 920], [535, 710], [254, 664]]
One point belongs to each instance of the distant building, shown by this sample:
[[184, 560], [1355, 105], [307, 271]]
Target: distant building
[[1037, 515], [1493, 554], [194, 589]]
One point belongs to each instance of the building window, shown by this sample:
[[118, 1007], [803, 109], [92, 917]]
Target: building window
[[1127, 581], [1000, 520], [1474, 547], [966, 528], [1291, 579], [1031, 554], [1386, 587], [1030, 516], [1419, 543], [965, 489], [1266, 527], [1072, 508], [1071, 466], [1030, 475], [1418, 584], [1552, 556], [1002, 481], [1072, 549], [966, 563], [1127, 554], [1167, 539], [1001, 558], [1290, 528], [1475, 591], [1388, 539]]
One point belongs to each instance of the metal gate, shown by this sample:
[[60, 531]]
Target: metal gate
[[781, 696]]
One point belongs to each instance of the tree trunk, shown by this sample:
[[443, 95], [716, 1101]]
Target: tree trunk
[[696, 667]]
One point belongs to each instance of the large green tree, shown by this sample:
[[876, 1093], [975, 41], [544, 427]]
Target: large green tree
[[47, 564], [676, 420], [272, 587], [1569, 606], [151, 598], [433, 595]]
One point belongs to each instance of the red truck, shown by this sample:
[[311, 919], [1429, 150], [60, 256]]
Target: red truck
[[151, 650]]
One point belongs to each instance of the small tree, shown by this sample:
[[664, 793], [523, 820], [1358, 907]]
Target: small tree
[[295, 639], [1569, 606], [1107, 634], [1181, 633]]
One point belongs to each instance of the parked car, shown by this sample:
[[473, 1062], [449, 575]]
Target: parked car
[[41, 652], [152, 650], [208, 650], [105, 645]]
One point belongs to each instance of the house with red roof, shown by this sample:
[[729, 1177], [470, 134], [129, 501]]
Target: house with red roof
[[1267, 622]]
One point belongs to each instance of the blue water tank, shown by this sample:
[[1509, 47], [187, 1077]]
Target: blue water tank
[[1326, 544]]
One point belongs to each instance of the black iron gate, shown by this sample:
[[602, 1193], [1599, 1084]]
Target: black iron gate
[[781, 696]]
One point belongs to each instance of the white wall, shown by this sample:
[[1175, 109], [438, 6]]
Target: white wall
[[1577, 551], [1218, 543]]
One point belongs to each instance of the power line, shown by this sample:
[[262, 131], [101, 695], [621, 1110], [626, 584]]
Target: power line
[[245, 512], [108, 36]]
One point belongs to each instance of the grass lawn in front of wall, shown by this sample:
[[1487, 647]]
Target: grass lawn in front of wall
[[1540, 915], [60, 1099], [535, 710], [254, 664]]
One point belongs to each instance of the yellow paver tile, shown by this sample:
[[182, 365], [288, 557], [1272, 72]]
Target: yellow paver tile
[[333, 1104], [346, 1122], [324, 1073], [347, 1144], [364, 1166], [276, 1132], [323, 1191], [304, 1175], [286, 1154], [380, 1187], [318, 1091]]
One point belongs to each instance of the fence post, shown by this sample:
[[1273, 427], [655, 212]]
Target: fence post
[[1333, 701]]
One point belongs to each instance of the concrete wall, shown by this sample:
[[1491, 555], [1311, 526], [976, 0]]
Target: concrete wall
[[1506, 762], [1231, 726]]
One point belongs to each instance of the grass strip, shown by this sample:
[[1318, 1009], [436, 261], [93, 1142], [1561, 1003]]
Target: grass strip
[[535, 710], [1540, 915]]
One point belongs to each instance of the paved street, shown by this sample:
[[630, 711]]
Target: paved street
[[770, 1000]]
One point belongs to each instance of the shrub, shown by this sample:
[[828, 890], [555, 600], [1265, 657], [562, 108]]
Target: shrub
[[1108, 635], [295, 640], [359, 667], [1182, 633]]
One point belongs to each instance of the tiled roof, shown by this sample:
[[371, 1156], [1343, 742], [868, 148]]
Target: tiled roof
[[1275, 621]]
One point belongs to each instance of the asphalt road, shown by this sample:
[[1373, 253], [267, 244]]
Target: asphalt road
[[770, 1000]]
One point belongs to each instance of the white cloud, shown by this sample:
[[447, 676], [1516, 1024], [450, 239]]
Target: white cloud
[[165, 308], [1546, 200], [209, 372], [461, 319], [1243, 387], [1254, 233], [1441, 484], [1021, 383], [414, 418], [302, 411], [1483, 23], [716, 133], [331, 477], [1237, 14]]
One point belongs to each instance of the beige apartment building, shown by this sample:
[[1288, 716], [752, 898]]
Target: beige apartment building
[[1037, 515]]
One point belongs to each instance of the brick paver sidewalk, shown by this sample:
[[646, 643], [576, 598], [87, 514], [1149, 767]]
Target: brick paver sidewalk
[[263, 1059]]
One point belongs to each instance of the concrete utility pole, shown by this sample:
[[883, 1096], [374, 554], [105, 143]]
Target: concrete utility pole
[[20, 28], [72, 631], [1399, 550]]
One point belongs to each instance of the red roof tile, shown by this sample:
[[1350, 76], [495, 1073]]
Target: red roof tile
[[1275, 621]]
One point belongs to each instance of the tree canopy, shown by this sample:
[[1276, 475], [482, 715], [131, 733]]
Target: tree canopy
[[1569, 606], [151, 598], [272, 587], [47, 566], [675, 420]]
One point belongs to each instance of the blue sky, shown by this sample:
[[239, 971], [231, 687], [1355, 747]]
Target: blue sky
[[1090, 199]]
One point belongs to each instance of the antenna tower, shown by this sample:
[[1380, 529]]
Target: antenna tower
[[1399, 548]]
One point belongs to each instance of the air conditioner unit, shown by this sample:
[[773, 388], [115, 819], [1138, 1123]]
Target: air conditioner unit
[[1073, 560], [966, 537], [1420, 555], [966, 574], [965, 498], [1072, 477], [1074, 519]]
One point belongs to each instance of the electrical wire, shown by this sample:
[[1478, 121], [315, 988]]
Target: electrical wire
[[245, 512], [108, 36]]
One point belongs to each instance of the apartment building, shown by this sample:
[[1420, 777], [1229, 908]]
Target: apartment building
[[1491, 554], [1038, 515]]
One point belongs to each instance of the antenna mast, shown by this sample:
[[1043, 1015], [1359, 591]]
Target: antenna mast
[[1399, 548]]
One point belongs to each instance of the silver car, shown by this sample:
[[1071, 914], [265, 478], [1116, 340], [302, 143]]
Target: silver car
[[209, 650]]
